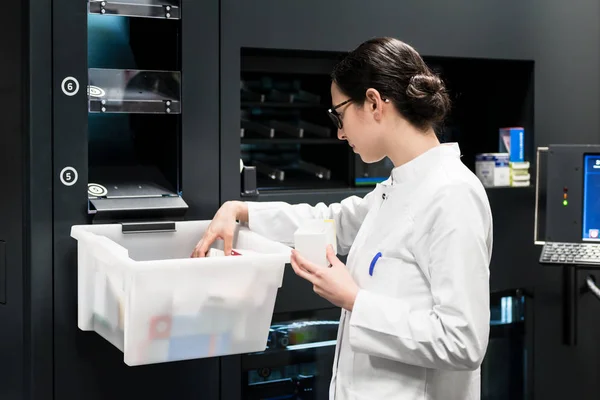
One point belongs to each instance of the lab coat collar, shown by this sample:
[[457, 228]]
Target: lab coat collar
[[418, 167]]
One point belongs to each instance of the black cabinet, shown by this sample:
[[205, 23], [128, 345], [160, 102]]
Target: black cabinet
[[254, 50], [298, 361], [286, 134], [507, 370], [261, 57], [53, 130], [287, 137], [134, 128]]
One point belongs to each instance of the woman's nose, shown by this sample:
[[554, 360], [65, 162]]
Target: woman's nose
[[341, 135]]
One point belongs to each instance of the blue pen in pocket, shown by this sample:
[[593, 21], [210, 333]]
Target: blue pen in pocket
[[373, 262]]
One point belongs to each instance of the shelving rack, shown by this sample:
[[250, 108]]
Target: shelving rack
[[285, 132], [298, 358], [286, 135], [134, 108]]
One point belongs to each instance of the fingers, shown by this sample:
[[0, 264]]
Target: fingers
[[228, 243], [204, 245], [305, 264], [331, 257], [302, 273], [196, 252]]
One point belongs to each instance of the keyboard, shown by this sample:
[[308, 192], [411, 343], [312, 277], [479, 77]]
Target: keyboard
[[571, 253]]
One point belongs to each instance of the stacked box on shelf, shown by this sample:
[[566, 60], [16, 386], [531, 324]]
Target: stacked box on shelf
[[511, 141], [507, 167], [519, 174]]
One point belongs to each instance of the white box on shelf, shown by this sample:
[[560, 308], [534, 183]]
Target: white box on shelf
[[312, 238], [144, 294], [493, 169]]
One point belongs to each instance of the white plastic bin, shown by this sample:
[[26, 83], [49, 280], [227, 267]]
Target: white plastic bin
[[144, 294]]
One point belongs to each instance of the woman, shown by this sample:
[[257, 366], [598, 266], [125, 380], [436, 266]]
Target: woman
[[415, 291]]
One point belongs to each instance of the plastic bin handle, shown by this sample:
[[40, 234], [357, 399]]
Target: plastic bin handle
[[148, 227]]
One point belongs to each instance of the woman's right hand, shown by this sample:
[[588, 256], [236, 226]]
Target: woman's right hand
[[223, 227]]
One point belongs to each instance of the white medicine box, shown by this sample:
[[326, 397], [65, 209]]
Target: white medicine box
[[493, 169], [312, 238], [143, 293]]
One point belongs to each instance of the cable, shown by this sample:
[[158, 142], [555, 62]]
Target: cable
[[592, 286]]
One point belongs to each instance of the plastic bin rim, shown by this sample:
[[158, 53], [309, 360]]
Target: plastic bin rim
[[80, 233]]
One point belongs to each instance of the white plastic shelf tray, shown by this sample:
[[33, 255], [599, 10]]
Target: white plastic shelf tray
[[144, 294]]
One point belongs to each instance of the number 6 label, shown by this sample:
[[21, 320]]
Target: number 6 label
[[70, 86]]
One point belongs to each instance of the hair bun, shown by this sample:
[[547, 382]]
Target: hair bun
[[421, 86], [429, 98]]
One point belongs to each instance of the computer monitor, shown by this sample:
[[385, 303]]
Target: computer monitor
[[591, 198], [572, 194]]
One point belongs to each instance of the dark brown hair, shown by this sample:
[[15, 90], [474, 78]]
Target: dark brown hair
[[399, 73]]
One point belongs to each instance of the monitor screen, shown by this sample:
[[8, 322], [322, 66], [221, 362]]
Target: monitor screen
[[591, 198]]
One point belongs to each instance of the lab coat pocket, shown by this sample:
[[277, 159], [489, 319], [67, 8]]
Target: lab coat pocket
[[386, 275], [400, 277]]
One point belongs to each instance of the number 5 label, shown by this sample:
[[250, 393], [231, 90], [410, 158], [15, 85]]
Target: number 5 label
[[68, 176]]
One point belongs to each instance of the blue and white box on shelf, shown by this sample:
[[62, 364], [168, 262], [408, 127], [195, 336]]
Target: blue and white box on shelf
[[512, 141]]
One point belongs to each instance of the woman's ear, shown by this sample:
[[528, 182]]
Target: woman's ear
[[374, 102]]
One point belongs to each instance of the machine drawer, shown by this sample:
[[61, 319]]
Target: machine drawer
[[140, 290]]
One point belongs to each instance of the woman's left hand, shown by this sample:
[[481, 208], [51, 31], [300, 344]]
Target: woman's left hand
[[334, 283]]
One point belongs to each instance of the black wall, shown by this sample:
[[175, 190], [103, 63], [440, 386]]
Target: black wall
[[25, 202], [562, 38], [12, 170]]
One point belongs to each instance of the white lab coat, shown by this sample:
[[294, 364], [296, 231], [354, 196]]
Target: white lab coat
[[420, 324]]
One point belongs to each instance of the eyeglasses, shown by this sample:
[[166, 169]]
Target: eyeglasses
[[335, 116]]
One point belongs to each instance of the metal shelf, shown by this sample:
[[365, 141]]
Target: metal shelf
[[134, 91], [284, 357], [270, 104], [128, 182], [165, 9], [119, 191], [298, 130], [266, 141]]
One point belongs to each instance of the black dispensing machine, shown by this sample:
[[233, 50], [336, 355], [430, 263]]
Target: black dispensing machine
[[137, 112], [112, 118], [569, 224]]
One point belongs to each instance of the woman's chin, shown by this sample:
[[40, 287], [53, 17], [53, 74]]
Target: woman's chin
[[368, 160]]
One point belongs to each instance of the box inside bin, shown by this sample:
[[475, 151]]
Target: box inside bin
[[144, 294]]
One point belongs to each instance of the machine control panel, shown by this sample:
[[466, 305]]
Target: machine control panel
[[571, 253]]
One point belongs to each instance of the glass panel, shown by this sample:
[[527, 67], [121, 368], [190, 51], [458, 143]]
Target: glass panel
[[301, 347], [507, 310], [298, 360], [169, 9], [134, 91], [293, 166], [132, 155], [134, 104], [506, 369], [372, 174], [285, 130]]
